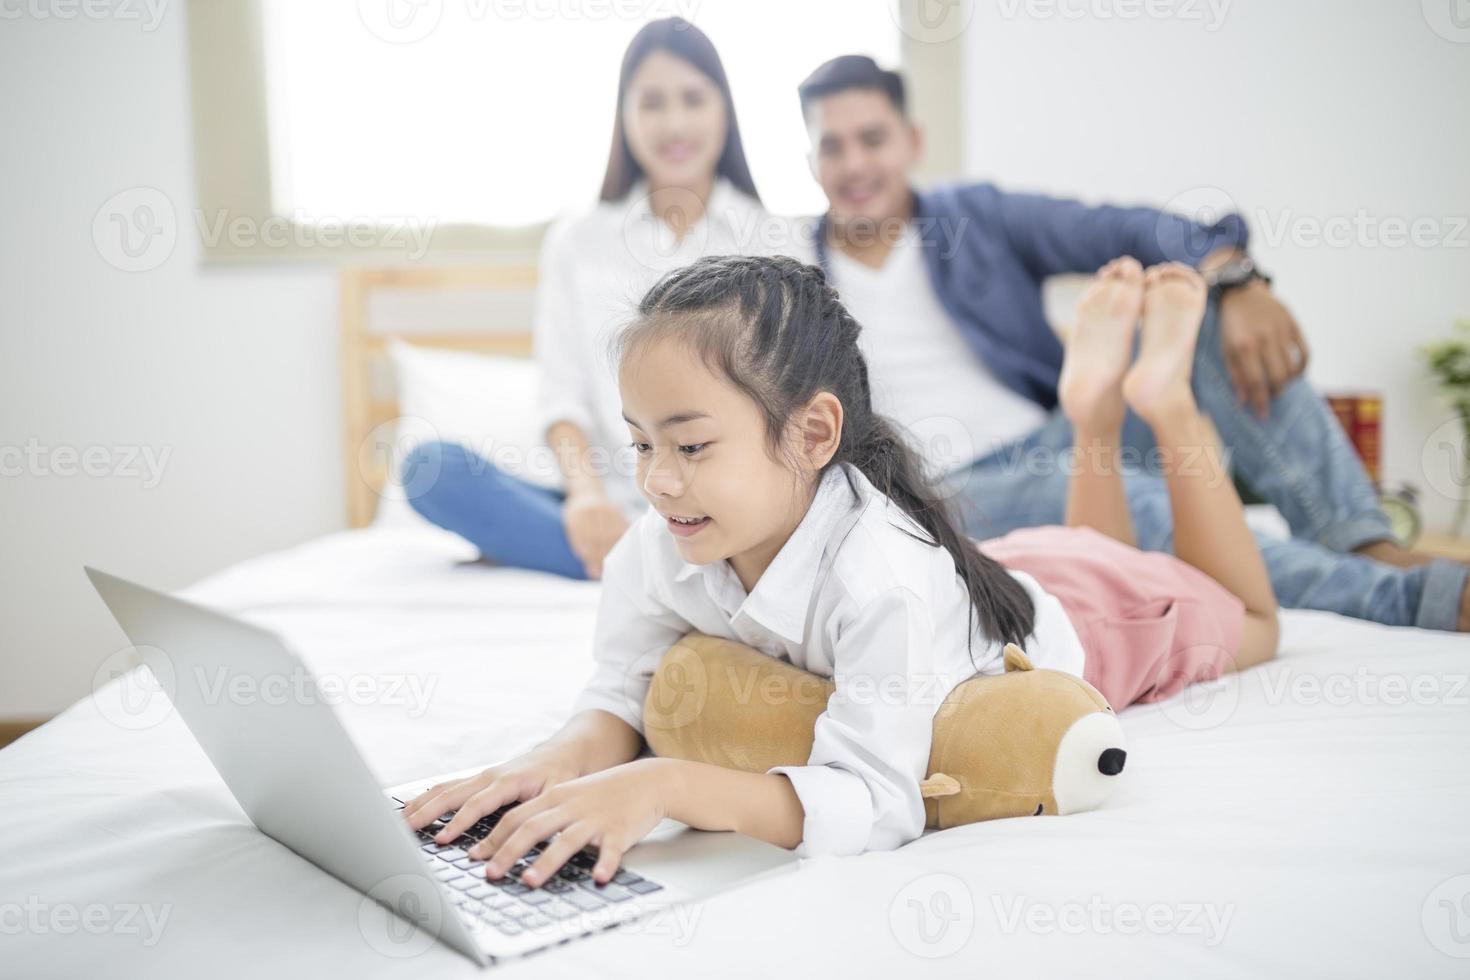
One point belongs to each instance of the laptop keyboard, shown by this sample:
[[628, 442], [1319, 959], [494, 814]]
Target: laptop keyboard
[[507, 905]]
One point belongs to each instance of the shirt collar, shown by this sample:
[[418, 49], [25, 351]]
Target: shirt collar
[[783, 595]]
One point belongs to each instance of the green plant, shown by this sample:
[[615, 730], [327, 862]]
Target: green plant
[[1449, 363]]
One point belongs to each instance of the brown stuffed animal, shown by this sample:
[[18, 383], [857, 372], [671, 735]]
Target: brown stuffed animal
[[1023, 743]]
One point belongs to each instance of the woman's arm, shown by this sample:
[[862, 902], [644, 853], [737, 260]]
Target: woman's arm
[[592, 521], [570, 444], [561, 335]]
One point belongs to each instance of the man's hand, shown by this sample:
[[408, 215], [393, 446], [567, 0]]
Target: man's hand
[[1262, 344], [593, 524]]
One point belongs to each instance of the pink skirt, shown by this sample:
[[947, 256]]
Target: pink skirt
[[1150, 624]]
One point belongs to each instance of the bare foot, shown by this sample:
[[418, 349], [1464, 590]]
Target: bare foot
[[1101, 346], [1157, 386]]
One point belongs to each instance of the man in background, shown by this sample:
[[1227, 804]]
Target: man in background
[[947, 286]]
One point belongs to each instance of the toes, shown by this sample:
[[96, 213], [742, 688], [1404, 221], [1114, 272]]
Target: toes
[[1123, 267], [1172, 272], [1176, 271]]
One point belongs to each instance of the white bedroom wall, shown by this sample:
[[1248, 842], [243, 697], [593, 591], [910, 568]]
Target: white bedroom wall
[[1312, 115], [230, 373]]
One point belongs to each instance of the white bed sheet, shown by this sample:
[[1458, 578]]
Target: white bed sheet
[[1307, 818]]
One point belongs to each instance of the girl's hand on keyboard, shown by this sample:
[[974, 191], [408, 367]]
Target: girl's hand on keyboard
[[612, 810], [522, 778]]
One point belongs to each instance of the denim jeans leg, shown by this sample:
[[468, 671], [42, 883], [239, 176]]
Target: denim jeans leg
[[1310, 576], [1021, 484], [1299, 458], [511, 521]]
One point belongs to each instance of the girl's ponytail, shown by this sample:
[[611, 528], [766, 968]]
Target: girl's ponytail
[[895, 469]]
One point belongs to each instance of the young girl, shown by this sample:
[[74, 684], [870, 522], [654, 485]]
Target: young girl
[[788, 516]]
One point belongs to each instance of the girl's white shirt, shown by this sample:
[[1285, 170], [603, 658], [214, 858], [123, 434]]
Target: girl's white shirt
[[858, 595], [594, 268]]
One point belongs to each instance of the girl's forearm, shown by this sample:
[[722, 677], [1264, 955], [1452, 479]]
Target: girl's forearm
[[707, 797], [597, 740]]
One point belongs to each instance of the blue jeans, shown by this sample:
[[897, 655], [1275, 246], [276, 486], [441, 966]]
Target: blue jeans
[[511, 521], [1298, 459]]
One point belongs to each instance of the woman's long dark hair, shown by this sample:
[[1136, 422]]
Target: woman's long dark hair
[[685, 41], [777, 331]]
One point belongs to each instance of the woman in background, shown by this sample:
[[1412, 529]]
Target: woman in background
[[677, 188]]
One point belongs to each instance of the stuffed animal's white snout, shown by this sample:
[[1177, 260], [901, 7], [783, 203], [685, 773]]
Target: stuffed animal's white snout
[[1090, 758]]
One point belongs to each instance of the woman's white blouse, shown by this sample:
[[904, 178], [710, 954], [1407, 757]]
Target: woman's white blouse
[[594, 268], [856, 595]]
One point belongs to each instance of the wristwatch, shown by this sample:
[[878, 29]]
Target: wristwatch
[[1234, 274]]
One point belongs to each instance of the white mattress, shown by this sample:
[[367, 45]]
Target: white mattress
[[1310, 818]]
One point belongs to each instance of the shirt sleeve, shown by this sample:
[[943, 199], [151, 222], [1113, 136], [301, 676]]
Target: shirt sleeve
[[1053, 235], [560, 339], [860, 787], [633, 632]]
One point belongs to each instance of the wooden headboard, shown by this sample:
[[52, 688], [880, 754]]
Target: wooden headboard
[[483, 309]]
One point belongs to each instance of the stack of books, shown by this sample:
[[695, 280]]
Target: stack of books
[[1361, 415]]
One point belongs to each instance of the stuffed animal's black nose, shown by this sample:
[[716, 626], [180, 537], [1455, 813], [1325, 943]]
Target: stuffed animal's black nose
[[1110, 763]]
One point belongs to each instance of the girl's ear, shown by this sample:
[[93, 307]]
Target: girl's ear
[[820, 427]]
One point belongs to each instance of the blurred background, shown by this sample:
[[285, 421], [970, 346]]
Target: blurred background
[[182, 183]]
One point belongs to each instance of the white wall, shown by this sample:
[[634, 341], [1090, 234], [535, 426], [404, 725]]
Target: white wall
[[233, 373], [1300, 111]]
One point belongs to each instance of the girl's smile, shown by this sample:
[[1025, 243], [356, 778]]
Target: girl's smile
[[686, 527]]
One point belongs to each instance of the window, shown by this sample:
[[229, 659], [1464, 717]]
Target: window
[[485, 118], [504, 120]]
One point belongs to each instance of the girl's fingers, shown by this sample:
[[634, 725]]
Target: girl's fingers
[[568, 842], [507, 825], [451, 797], [428, 810], [413, 805], [536, 828], [609, 857], [487, 800]]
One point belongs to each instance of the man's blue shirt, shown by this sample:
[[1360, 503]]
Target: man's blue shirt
[[988, 251]]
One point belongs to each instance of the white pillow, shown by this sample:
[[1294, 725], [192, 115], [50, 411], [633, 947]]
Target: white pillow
[[485, 403]]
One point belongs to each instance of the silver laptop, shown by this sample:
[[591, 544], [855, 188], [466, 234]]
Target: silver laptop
[[298, 776]]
